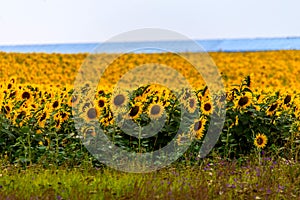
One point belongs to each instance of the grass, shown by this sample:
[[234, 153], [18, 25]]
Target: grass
[[207, 179]]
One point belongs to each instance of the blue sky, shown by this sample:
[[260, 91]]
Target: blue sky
[[68, 21]]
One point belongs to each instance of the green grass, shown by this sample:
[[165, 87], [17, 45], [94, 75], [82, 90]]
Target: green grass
[[208, 179]]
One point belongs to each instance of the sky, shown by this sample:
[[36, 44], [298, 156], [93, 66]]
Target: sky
[[81, 21]]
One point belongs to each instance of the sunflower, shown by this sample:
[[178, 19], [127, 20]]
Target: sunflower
[[197, 128], [61, 115], [107, 120], [272, 109], [119, 100], [244, 101], [287, 99], [100, 102], [58, 123], [64, 115], [206, 108], [13, 80], [7, 108], [9, 86], [260, 140], [191, 104], [42, 118], [25, 94], [13, 94], [92, 114], [135, 110], [89, 131], [155, 110], [74, 100]]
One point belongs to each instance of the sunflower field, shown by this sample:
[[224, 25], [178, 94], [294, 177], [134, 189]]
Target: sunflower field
[[38, 103]]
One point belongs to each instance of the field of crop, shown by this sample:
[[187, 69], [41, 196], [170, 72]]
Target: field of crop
[[46, 121]]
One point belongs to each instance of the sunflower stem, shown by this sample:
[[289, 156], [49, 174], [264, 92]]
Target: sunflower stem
[[140, 134], [259, 157]]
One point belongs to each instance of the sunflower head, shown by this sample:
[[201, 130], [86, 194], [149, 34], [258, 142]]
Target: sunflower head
[[260, 140], [92, 114], [197, 128], [287, 99], [155, 111], [89, 112], [119, 100], [244, 101], [74, 100], [272, 109], [135, 111], [25, 95], [207, 108], [191, 104], [55, 104]]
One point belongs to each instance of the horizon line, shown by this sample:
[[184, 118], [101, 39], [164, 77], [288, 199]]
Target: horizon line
[[138, 41]]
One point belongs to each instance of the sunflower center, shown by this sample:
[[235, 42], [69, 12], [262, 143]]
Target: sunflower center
[[23, 113], [7, 109], [55, 104], [25, 95], [134, 111], [259, 141], [100, 103], [287, 99], [155, 110], [207, 107], [63, 115], [92, 113], [100, 92], [192, 103], [43, 117], [243, 101], [119, 100], [197, 126], [273, 107]]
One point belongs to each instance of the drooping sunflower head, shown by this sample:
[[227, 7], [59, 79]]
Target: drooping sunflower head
[[74, 100], [155, 111], [272, 109], [197, 129], [135, 111], [260, 140], [287, 99], [89, 132]]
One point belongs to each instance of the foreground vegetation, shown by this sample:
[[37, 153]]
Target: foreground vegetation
[[207, 179]]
